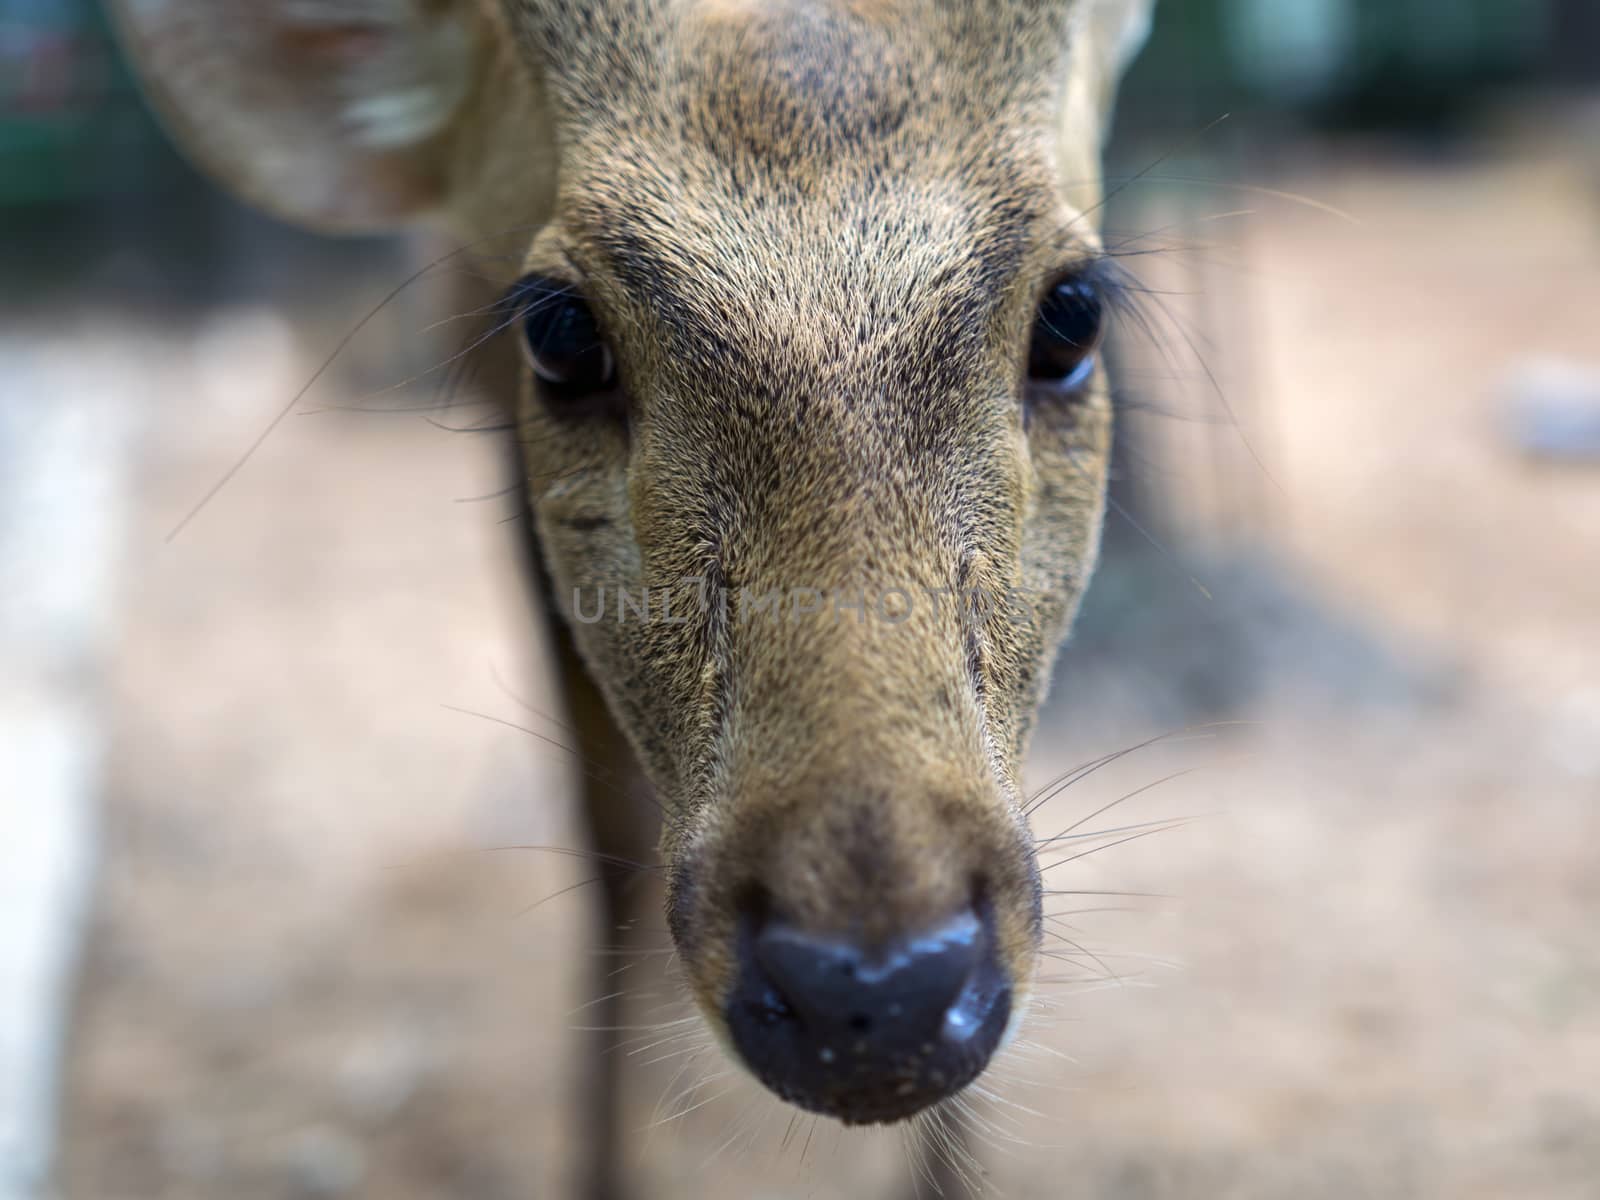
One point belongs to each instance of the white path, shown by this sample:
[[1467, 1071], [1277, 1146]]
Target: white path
[[67, 420]]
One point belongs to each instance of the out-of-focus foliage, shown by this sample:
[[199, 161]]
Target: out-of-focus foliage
[[1423, 65], [72, 125]]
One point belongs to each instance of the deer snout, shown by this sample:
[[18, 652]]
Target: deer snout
[[863, 1033], [864, 955]]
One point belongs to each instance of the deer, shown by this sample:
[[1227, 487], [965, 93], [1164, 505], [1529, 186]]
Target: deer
[[808, 321]]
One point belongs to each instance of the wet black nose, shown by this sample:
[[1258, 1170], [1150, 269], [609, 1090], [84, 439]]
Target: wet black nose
[[868, 1037]]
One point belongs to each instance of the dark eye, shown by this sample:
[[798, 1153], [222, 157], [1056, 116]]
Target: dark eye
[[562, 339], [1067, 333]]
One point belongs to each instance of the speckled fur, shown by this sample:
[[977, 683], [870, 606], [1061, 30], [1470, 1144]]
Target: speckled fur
[[816, 235]]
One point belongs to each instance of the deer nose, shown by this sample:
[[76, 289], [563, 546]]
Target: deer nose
[[868, 1036]]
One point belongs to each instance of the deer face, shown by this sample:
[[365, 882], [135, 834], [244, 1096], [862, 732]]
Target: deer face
[[816, 438], [817, 446]]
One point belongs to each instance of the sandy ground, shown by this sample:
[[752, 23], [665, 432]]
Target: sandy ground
[[1368, 966]]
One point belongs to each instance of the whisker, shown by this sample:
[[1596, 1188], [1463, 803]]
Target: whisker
[[648, 1029], [678, 1116], [614, 860], [507, 690], [681, 1097], [1256, 189], [810, 1132], [1133, 837], [788, 1131], [1103, 833], [557, 894], [592, 770], [339, 348], [500, 427], [1222, 399], [1204, 732], [596, 1000], [1140, 176], [694, 1048], [495, 495]]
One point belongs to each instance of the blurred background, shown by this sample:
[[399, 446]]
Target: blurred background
[[263, 932]]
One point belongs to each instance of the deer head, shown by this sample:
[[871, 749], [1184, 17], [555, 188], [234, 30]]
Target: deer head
[[814, 424]]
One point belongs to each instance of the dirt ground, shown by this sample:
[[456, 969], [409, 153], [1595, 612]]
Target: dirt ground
[[1367, 966]]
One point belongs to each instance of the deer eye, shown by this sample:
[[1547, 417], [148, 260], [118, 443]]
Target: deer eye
[[561, 338], [1067, 333]]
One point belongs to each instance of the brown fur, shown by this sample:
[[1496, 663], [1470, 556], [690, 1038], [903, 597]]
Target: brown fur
[[815, 234], [819, 266]]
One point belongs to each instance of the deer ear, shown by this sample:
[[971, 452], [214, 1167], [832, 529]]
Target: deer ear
[[330, 113], [1107, 36], [1121, 29]]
